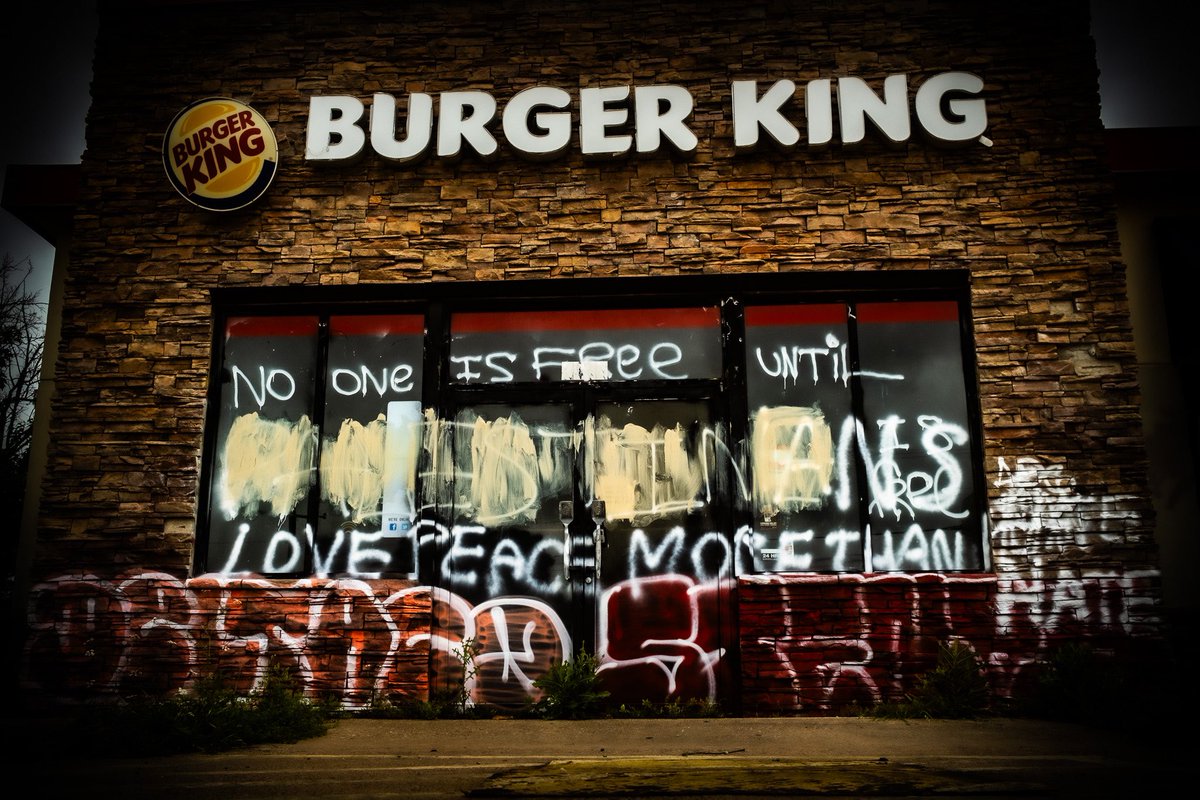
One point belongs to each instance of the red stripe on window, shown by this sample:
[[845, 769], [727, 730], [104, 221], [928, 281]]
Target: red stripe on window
[[271, 326], [376, 324], [816, 314], [608, 319], [926, 311]]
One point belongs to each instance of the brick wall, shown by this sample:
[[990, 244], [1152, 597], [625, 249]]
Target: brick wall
[[823, 644], [149, 633]]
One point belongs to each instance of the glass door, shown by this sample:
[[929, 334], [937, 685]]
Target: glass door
[[508, 489], [576, 472], [664, 548]]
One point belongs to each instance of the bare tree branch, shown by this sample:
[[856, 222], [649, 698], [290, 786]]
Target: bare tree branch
[[22, 331]]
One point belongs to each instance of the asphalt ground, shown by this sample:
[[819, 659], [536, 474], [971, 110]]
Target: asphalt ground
[[632, 758]]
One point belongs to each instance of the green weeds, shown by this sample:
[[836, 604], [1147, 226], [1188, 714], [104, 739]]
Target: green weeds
[[212, 717], [693, 708], [453, 701], [1077, 684], [955, 688], [571, 690]]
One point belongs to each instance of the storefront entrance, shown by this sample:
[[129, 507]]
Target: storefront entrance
[[595, 476], [594, 523]]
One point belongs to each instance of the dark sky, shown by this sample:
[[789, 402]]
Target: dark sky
[[46, 52], [1141, 49], [46, 63]]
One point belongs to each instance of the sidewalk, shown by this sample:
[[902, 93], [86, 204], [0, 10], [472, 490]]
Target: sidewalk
[[709, 758]]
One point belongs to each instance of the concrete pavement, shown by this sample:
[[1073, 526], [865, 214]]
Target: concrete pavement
[[706, 758]]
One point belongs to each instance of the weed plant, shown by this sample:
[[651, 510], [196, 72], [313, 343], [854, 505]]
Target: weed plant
[[1077, 684], [955, 688], [460, 695], [449, 702], [212, 717], [694, 708], [571, 690]]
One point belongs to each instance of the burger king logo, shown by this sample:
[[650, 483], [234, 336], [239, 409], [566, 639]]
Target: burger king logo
[[220, 154]]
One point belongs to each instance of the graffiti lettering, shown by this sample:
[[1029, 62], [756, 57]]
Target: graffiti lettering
[[642, 472], [787, 362], [938, 492], [889, 626], [626, 361], [920, 550], [893, 491], [659, 638], [501, 373], [798, 548], [659, 635], [667, 551], [269, 383], [527, 569], [499, 611], [506, 472], [1030, 520], [294, 556], [350, 382], [454, 569]]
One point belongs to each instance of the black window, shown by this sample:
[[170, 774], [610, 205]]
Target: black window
[[772, 423]]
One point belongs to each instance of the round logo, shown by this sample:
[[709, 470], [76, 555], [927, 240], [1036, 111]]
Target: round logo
[[220, 154]]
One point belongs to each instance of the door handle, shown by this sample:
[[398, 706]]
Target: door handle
[[598, 516], [566, 513]]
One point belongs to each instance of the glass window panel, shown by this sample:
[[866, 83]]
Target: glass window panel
[[265, 446], [918, 452], [801, 460], [371, 441]]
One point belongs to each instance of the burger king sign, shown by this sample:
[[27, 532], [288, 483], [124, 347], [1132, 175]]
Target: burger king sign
[[220, 154]]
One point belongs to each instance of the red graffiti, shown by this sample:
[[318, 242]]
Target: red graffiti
[[662, 638], [804, 643], [821, 643]]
